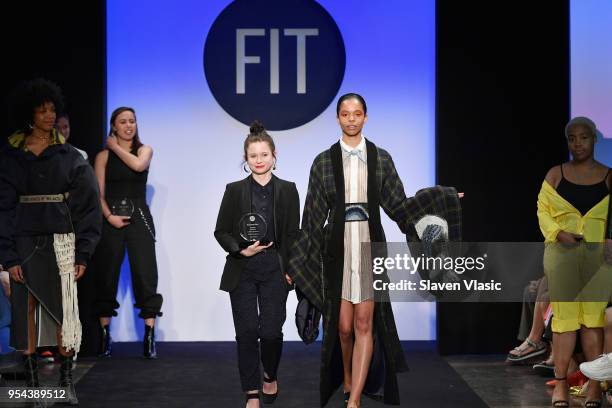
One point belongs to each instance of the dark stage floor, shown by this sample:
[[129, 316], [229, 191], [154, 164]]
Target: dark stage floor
[[204, 374]]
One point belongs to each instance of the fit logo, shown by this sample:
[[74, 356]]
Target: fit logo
[[279, 61], [242, 60]]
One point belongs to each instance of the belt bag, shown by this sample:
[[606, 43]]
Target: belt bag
[[356, 212]]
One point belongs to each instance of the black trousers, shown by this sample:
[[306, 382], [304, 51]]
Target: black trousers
[[138, 239], [259, 311]]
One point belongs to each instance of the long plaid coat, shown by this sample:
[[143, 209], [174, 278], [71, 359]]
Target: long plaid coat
[[317, 257]]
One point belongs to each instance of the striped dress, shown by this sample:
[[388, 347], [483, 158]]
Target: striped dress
[[357, 271]]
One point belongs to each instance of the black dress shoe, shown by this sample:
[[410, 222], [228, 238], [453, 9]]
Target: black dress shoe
[[150, 349], [269, 398]]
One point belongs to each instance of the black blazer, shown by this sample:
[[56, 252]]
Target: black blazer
[[237, 202]]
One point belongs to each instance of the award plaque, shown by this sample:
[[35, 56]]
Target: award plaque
[[253, 227], [123, 207]]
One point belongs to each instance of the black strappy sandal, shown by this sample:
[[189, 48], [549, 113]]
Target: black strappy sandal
[[250, 396], [347, 396], [561, 403], [269, 398]]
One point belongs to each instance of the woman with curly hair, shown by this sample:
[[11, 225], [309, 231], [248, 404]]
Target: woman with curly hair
[[50, 223]]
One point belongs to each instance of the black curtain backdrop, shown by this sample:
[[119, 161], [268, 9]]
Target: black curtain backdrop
[[65, 43], [502, 103]]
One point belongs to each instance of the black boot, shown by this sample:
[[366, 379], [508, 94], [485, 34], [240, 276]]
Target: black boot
[[150, 350], [30, 369], [66, 380], [105, 342]]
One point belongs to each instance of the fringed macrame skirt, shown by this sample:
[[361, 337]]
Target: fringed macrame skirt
[[43, 281]]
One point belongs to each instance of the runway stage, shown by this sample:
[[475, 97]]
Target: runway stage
[[204, 374]]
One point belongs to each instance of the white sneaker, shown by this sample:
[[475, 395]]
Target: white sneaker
[[599, 369]]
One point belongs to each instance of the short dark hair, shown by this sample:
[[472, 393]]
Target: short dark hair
[[28, 96], [351, 95]]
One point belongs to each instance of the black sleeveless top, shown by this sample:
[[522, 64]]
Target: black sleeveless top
[[123, 182], [582, 197]]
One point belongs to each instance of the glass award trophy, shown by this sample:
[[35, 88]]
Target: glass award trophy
[[253, 227], [123, 207]]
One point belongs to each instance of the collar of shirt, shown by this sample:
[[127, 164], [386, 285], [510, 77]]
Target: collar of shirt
[[267, 188], [17, 140], [359, 150]]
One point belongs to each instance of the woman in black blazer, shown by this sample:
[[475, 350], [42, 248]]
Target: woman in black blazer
[[257, 224]]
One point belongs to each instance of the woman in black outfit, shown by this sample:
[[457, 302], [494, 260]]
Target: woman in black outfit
[[255, 270], [49, 227], [122, 170]]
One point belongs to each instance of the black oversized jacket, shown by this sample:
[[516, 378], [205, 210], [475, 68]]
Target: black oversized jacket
[[59, 169], [237, 202]]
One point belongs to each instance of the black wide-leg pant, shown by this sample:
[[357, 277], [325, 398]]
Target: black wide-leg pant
[[259, 311], [138, 238]]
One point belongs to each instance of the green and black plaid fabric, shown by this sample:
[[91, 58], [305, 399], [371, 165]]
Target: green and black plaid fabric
[[305, 264], [320, 240]]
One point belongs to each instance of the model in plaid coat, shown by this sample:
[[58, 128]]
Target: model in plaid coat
[[317, 259]]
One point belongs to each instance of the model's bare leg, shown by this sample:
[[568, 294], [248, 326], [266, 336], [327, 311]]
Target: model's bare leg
[[31, 325], [345, 331], [362, 352], [30, 365]]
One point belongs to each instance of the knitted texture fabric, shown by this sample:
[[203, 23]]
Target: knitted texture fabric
[[64, 246]]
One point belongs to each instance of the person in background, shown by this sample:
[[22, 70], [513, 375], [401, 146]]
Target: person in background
[[5, 316], [532, 323], [5, 311], [63, 126], [122, 170], [572, 213]]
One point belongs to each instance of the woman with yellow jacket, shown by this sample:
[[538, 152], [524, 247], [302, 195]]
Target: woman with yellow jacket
[[572, 212]]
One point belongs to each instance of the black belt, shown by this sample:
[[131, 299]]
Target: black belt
[[43, 198]]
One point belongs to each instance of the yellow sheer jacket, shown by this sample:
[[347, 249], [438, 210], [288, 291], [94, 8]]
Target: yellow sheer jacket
[[557, 214]]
